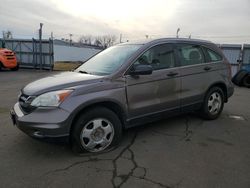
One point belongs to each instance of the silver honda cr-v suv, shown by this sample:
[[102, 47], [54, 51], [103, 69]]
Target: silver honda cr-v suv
[[123, 86]]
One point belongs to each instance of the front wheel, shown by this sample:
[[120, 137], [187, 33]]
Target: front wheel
[[213, 103], [96, 130], [15, 68]]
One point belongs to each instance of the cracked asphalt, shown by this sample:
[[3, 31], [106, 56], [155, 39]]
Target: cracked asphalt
[[183, 151]]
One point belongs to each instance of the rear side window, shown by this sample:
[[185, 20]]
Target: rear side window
[[212, 55], [190, 54]]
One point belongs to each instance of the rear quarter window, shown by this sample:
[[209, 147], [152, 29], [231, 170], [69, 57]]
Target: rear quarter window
[[212, 56]]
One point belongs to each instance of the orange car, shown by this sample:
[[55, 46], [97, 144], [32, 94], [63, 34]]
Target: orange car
[[8, 59]]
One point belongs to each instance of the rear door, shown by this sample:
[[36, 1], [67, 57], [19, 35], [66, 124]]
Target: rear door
[[158, 92], [194, 75]]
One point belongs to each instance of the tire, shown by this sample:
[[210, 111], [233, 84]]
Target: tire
[[246, 81], [238, 78], [96, 130], [16, 68], [213, 104]]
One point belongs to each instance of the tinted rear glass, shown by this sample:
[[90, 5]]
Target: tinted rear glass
[[212, 55], [190, 54]]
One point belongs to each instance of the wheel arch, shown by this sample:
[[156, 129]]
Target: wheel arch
[[109, 104], [222, 86], [1, 64]]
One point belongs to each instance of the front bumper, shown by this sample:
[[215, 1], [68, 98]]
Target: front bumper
[[43, 122], [9, 63]]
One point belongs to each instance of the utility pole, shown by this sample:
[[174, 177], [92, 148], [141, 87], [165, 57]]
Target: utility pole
[[120, 38], [3, 43], [70, 39], [51, 36], [40, 45], [51, 51]]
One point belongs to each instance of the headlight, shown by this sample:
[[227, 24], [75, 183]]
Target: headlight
[[53, 98]]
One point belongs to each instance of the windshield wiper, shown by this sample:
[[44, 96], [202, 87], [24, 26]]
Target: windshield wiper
[[83, 72]]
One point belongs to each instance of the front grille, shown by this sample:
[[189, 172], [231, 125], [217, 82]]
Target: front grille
[[9, 55], [25, 103]]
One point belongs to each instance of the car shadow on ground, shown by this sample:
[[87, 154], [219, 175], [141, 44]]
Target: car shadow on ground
[[177, 126]]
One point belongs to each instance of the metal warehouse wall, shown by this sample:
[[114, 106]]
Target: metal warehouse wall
[[233, 54], [69, 53], [246, 54], [29, 55], [238, 55], [28, 52]]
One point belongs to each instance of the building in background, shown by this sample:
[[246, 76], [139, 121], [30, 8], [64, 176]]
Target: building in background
[[64, 51], [29, 55]]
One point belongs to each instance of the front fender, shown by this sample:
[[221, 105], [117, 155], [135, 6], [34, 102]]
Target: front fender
[[77, 103]]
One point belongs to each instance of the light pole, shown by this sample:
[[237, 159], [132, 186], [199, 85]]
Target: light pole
[[40, 44], [70, 39]]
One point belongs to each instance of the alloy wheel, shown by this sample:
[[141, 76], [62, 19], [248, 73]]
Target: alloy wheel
[[214, 103], [97, 135]]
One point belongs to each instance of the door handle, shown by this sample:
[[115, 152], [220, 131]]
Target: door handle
[[207, 68], [172, 74]]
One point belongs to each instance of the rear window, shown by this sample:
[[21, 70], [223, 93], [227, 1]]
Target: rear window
[[190, 54]]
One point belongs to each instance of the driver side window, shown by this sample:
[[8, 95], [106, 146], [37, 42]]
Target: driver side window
[[159, 57]]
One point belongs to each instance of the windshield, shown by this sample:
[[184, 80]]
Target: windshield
[[108, 61]]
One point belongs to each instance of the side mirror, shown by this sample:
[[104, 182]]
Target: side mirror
[[141, 70]]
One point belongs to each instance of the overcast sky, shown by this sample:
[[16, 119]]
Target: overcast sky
[[222, 21]]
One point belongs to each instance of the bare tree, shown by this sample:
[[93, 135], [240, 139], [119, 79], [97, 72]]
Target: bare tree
[[86, 39], [7, 34], [105, 40]]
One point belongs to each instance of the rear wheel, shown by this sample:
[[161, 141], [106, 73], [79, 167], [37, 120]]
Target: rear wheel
[[96, 130], [213, 103], [238, 78], [246, 81]]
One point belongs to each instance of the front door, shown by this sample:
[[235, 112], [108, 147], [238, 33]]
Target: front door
[[158, 92]]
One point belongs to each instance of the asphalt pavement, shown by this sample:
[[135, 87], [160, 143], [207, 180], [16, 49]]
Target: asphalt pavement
[[183, 151]]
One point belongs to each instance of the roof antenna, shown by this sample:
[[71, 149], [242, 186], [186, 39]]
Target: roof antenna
[[177, 32]]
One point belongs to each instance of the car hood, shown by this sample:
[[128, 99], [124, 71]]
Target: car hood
[[59, 81]]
